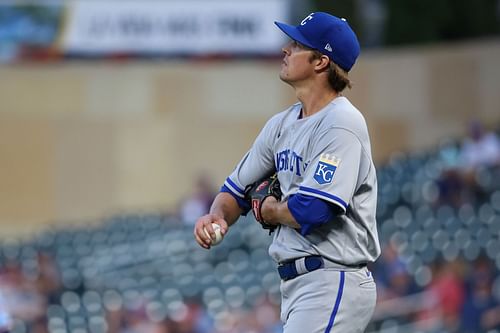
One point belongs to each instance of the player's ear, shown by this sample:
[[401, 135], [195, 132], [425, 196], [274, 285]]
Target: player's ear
[[322, 63]]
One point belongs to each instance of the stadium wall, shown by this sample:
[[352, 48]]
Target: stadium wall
[[81, 140]]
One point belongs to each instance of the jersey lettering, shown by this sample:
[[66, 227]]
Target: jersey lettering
[[288, 160]]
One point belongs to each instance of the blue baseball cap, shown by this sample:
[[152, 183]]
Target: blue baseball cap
[[328, 34]]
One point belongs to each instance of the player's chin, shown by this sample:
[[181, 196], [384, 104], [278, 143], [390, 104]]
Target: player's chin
[[284, 76]]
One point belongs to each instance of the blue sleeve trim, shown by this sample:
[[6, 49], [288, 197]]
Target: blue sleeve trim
[[325, 195], [337, 303], [310, 211], [245, 206], [235, 189]]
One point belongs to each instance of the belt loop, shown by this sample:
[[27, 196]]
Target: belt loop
[[300, 266]]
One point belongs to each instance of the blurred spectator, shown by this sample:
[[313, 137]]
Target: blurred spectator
[[448, 293], [451, 188], [114, 320], [267, 316], [21, 298], [392, 275], [137, 322], [480, 149], [5, 317], [458, 181], [198, 203], [450, 183], [263, 317], [480, 311], [190, 318], [49, 280]]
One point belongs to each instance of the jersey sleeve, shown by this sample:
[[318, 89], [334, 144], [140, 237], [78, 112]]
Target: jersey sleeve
[[332, 172], [310, 212], [256, 164]]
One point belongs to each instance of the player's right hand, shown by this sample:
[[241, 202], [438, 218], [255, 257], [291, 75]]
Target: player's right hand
[[205, 222]]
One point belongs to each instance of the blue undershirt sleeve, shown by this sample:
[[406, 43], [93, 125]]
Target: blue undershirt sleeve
[[245, 206], [310, 212]]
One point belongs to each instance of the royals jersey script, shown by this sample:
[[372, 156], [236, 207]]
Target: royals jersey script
[[326, 155]]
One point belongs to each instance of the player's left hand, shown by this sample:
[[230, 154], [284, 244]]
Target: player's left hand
[[267, 206], [258, 192]]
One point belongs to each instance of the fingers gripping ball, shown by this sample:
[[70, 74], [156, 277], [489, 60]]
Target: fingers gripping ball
[[256, 194], [218, 234]]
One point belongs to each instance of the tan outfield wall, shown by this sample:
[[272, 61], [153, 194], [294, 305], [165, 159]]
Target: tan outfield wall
[[81, 140]]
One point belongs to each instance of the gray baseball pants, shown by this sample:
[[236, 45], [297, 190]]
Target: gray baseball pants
[[328, 300]]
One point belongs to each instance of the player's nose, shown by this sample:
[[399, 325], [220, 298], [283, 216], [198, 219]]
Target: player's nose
[[286, 49]]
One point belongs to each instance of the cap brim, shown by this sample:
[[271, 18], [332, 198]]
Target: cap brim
[[294, 33]]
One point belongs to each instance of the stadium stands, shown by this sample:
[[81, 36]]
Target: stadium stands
[[145, 269]]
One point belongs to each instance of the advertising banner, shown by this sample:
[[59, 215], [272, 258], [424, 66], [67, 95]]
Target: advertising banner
[[174, 27]]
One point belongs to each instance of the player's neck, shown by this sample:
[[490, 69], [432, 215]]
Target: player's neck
[[314, 100]]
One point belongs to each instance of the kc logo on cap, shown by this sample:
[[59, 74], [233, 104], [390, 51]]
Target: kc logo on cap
[[309, 17]]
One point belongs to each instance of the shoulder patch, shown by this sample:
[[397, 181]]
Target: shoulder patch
[[327, 165]]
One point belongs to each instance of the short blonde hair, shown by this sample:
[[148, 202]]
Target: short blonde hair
[[337, 77]]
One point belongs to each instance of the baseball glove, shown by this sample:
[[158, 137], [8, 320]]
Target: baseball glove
[[257, 192]]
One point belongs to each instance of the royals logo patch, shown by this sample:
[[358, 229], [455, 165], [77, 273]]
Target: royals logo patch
[[326, 168]]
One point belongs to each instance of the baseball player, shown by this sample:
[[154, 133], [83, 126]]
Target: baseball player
[[323, 215]]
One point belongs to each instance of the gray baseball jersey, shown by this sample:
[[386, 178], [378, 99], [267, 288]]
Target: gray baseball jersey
[[326, 155]]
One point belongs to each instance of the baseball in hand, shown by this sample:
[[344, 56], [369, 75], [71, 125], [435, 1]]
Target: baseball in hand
[[218, 234]]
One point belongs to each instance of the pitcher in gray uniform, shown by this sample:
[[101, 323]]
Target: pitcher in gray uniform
[[320, 150]]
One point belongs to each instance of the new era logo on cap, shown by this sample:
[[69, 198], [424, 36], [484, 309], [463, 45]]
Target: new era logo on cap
[[329, 35]]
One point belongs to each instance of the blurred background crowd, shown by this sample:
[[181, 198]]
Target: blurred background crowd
[[120, 120]]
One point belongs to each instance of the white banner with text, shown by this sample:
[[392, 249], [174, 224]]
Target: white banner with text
[[186, 27]]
